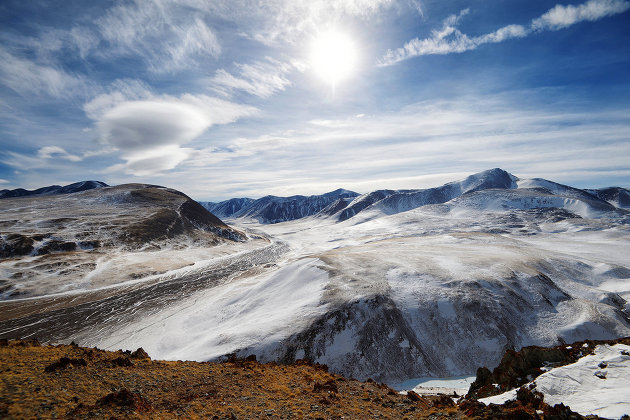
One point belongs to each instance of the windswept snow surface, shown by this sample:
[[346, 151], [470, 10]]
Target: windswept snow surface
[[596, 384], [441, 290], [243, 312]]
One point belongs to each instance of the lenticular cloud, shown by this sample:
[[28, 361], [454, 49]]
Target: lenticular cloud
[[150, 133]]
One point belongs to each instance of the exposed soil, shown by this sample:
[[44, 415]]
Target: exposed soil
[[75, 382]]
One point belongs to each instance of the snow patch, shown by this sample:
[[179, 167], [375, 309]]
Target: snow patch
[[585, 388], [596, 384]]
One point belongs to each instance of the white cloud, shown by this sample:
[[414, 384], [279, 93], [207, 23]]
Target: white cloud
[[560, 16], [27, 77], [50, 152], [4, 181], [289, 21], [151, 162], [450, 40], [260, 78], [167, 34], [149, 130], [150, 133], [121, 90], [139, 125]]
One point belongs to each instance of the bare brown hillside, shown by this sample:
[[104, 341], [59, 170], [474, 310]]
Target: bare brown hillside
[[68, 381]]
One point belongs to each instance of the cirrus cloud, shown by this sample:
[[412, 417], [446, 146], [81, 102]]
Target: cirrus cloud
[[560, 16], [261, 78], [451, 40]]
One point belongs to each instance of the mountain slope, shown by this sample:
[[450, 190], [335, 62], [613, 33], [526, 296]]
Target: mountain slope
[[618, 197], [434, 290], [53, 189], [51, 241], [272, 209], [227, 208], [59, 381]]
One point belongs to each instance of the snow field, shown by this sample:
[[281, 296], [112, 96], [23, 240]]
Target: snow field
[[596, 384], [251, 311]]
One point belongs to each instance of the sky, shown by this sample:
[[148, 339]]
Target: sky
[[244, 98]]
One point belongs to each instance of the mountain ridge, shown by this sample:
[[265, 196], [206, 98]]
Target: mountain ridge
[[347, 204], [271, 209], [53, 189]]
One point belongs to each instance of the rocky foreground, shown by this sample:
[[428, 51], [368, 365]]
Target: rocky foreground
[[76, 382]]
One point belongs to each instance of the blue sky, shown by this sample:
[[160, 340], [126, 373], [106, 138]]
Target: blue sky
[[226, 98]]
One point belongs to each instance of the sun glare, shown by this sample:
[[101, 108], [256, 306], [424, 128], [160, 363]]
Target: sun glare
[[333, 56]]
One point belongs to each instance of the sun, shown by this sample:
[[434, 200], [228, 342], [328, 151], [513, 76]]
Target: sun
[[333, 56]]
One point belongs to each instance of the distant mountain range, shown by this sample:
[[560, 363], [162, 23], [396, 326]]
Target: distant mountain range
[[53, 189], [494, 187], [272, 209]]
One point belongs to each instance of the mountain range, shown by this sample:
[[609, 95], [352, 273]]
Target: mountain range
[[272, 209], [53, 189], [343, 204], [391, 284]]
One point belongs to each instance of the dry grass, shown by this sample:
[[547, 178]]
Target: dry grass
[[68, 381], [117, 384]]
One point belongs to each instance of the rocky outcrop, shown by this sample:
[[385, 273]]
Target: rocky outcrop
[[520, 367], [15, 245]]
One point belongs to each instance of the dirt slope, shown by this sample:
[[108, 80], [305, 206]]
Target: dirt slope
[[75, 382]]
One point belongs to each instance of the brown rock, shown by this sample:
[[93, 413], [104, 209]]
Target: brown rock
[[127, 399], [63, 363], [140, 354]]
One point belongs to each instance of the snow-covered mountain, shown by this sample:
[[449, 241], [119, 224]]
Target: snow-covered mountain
[[53, 189], [618, 197], [490, 189], [96, 237], [390, 202], [227, 208], [596, 384], [412, 283], [272, 209]]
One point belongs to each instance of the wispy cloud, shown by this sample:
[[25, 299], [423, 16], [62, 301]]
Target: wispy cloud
[[158, 31], [121, 90], [27, 77], [293, 19], [48, 152], [260, 78], [560, 16], [450, 40]]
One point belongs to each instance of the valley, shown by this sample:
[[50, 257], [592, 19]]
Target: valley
[[427, 283]]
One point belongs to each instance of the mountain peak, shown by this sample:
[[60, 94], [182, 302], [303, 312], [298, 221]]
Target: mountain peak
[[341, 192]]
